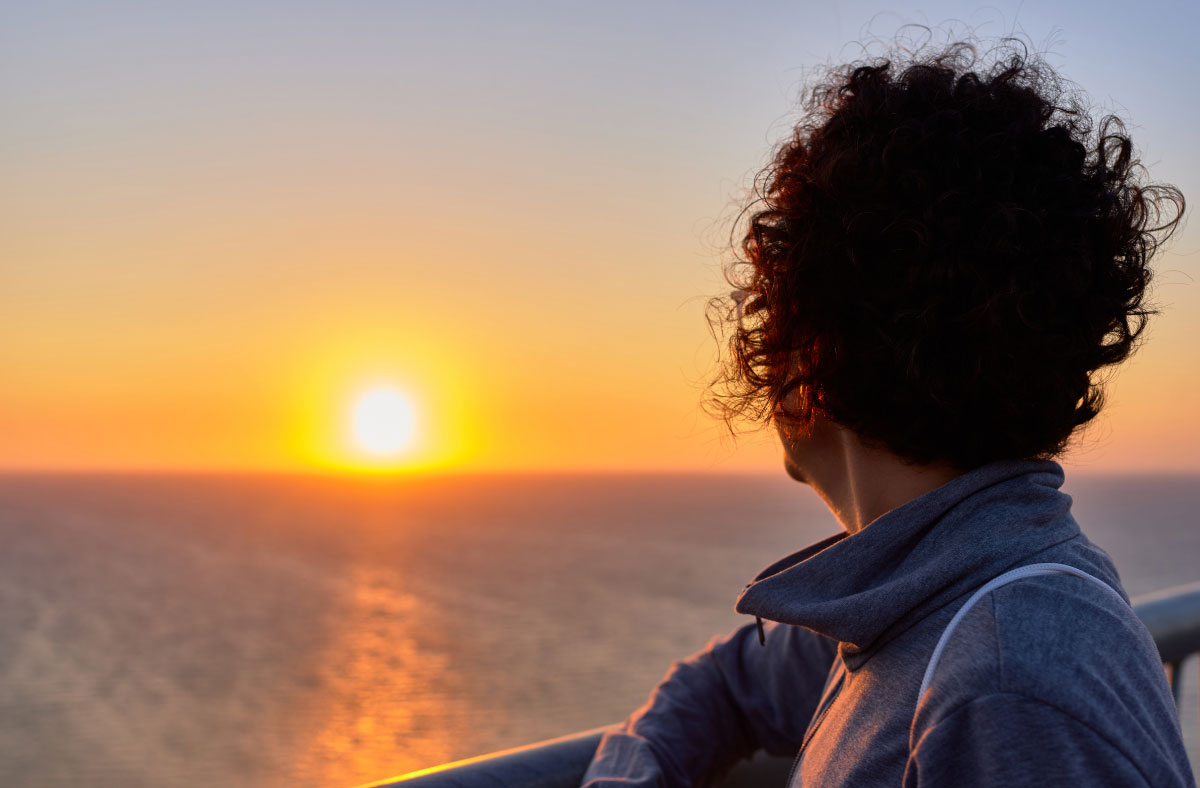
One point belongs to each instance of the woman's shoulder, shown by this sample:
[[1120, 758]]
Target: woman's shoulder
[[1058, 637], [1065, 644], [1073, 632], [1061, 631]]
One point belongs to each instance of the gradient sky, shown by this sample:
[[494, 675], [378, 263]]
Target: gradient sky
[[219, 221]]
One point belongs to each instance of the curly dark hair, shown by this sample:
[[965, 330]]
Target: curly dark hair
[[942, 258]]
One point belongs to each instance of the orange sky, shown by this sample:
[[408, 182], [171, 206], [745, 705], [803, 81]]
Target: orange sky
[[219, 225]]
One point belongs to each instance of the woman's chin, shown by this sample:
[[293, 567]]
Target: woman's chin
[[793, 470]]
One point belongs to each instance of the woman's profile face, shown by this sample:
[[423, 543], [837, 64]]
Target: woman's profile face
[[806, 447]]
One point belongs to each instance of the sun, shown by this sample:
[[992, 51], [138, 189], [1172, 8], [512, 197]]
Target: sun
[[383, 422]]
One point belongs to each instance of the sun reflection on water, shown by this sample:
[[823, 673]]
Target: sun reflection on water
[[388, 703]]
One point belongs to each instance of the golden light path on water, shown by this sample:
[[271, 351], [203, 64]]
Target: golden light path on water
[[386, 701]]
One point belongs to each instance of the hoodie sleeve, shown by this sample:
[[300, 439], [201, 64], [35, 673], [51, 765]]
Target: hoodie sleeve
[[1008, 739], [733, 698]]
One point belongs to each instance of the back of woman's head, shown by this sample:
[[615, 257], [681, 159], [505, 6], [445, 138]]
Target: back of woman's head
[[943, 258]]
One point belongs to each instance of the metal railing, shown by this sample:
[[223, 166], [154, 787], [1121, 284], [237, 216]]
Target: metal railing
[[1173, 618], [1171, 615]]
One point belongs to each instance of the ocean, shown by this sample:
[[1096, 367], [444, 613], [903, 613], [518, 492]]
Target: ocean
[[295, 631]]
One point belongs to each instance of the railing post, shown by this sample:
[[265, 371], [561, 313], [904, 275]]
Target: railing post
[[1173, 679]]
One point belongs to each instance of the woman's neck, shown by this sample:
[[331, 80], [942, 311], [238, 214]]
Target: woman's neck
[[858, 482]]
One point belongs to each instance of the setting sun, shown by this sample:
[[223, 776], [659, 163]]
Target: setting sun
[[383, 422]]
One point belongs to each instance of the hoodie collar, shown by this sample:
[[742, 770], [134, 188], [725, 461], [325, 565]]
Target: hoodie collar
[[866, 588]]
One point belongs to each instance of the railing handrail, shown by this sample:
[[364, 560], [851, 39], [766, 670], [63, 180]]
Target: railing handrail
[[1172, 616], [546, 764]]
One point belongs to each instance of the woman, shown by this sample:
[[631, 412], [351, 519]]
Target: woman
[[943, 259]]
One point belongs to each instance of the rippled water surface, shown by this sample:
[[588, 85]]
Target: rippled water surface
[[286, 631]]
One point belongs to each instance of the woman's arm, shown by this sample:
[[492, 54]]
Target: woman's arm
[[733, 698]]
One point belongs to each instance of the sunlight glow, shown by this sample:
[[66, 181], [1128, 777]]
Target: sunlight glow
[[383, 422]]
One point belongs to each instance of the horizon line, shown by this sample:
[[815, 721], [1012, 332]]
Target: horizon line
[[414, 473]]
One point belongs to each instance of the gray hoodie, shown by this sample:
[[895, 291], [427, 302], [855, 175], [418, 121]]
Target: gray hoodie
[[1049, 680]]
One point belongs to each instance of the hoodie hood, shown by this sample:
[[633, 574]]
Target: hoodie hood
[[864, 589]]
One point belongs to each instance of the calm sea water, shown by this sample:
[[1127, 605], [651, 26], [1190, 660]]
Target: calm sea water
[[276, 631]]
